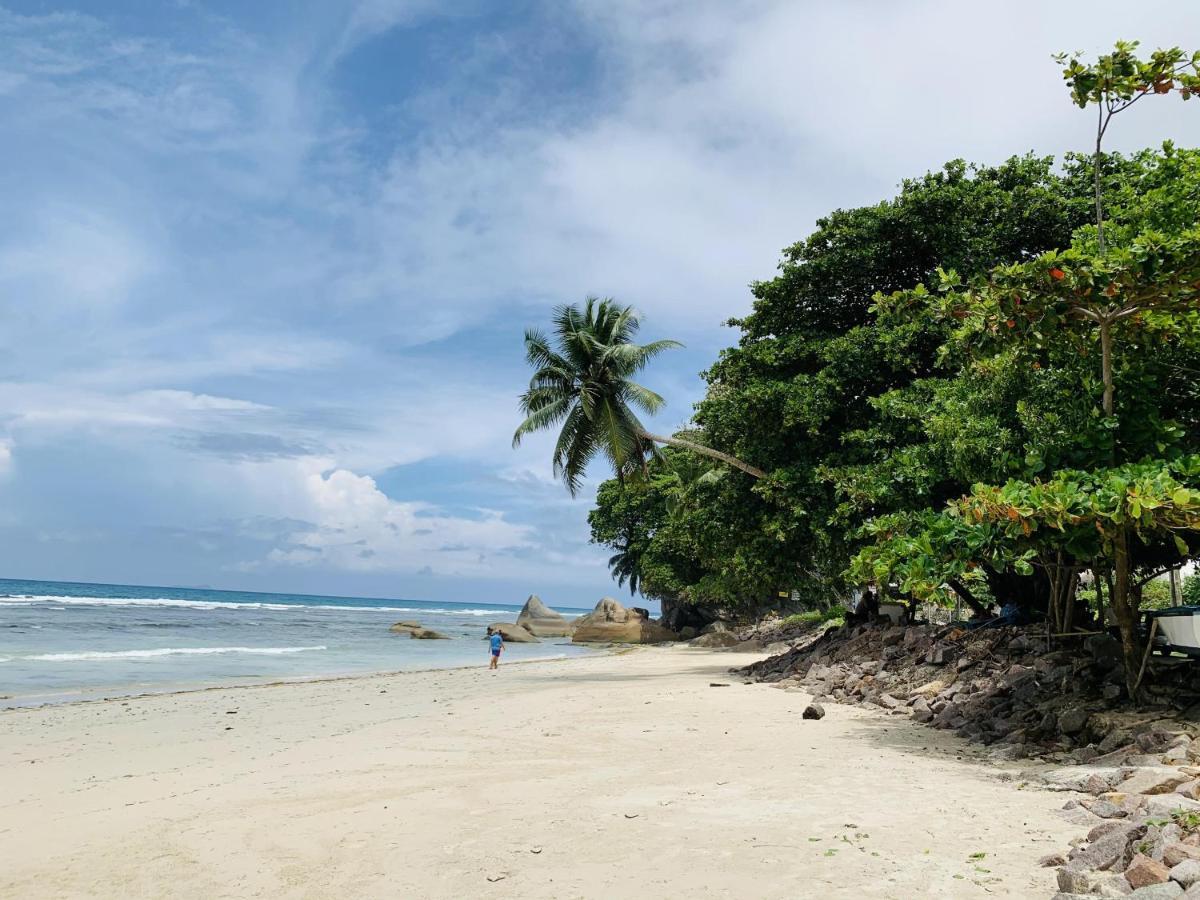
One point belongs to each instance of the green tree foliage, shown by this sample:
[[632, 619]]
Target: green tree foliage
[[975, 330], [1142, 516], [1118, 80], [675, 535], [864, 406], [1191, 590], [831, 399], [1134, 298]]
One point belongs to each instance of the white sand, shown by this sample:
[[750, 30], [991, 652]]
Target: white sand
[[609, 776]]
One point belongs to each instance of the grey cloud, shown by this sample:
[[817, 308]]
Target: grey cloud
[[244, 445]]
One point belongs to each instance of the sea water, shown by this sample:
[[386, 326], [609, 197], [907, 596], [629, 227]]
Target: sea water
[[64, 641]]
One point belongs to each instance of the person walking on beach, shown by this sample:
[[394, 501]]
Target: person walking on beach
[[497, 643]]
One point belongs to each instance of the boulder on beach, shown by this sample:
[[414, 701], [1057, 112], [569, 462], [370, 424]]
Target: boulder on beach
[[612, 622], [541, 621], [513, 634], [406, 627], [716, 639]]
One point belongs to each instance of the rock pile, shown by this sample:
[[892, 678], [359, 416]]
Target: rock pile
[[996, 686], [1140, 805]]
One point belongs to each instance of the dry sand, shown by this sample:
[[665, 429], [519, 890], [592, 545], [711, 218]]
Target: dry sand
[[610, 776]]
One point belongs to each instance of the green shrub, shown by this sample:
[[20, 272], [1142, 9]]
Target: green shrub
[[1191, 590], [1156, 594], [835, 615]]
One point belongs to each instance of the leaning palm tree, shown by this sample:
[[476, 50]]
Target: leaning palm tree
[[585, 383]]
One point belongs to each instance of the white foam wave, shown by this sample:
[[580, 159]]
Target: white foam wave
[[158, 602], [165, 651]]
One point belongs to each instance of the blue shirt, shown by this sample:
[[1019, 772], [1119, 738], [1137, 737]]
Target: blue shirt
[[497, 641]]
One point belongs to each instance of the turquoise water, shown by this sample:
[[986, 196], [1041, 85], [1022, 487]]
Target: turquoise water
[[67, 641]]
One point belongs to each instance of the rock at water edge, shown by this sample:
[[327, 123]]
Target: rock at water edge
[[513, 634], [541, 621]]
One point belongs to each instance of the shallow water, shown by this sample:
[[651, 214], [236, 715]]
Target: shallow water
[[64, 641]]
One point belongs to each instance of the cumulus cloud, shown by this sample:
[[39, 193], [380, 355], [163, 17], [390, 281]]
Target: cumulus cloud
[[354, 525]]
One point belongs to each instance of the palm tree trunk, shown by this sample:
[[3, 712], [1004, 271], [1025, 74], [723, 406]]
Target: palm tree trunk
[[703, 451]]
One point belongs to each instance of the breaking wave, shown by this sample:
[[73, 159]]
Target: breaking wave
[[163, 651], [171, 602]]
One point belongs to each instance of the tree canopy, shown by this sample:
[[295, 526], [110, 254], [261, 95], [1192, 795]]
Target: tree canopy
[[980, 387], [865, 397]]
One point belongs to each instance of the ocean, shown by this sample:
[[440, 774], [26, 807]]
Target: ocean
[[63, 641]]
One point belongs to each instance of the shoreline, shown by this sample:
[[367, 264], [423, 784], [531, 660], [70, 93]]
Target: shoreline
[[282, 682], [613, 774]]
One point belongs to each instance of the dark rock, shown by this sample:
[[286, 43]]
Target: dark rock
[[1107, 828], [716, 639], [813, 711], [921, 711], [1155, 740], [1110, 852], [1072, 720], [937, 656], [1106, 810], [427, 634]]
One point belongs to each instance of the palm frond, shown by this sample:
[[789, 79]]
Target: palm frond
[[544, 416], [643, 398]]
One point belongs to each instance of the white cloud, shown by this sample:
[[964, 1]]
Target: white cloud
[[355, 526]]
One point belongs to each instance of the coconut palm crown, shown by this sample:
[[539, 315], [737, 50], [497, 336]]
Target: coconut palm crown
[[584, 384]]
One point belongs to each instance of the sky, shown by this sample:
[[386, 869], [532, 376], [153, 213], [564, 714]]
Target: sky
[[265, 267]]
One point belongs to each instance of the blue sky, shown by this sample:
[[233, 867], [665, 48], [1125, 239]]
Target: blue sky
[[265, 266]]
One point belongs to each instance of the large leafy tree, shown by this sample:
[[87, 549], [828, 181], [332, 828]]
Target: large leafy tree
[[813, 389], [1130, 293], [583, 385]]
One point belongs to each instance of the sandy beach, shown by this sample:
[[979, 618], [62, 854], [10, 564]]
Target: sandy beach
[[622, 775]]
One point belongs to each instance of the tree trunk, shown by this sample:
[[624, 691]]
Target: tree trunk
[[1106, 364], [1125, 610], [1097, 162], [968, 598], [704, 451]]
